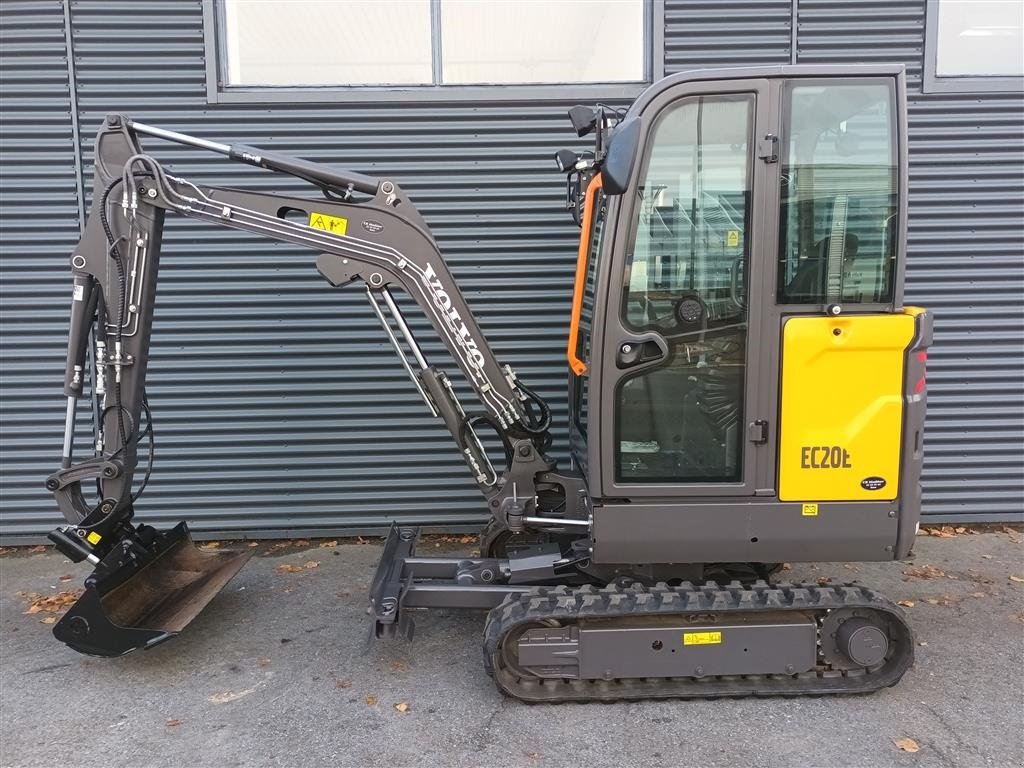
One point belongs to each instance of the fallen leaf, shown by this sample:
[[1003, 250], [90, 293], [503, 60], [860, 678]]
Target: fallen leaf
[[343, 684], [228, 696], [851, 567], [65, 577], [987, 557], [210, 545], [360, 540], [907, 744], [37, 549], [173, 722], [924, 572], [49, 620], [467, 539], [6, 550], [371, 701], [254, 543], [264, 662], [533, 755], [975, 576], [402, 707], [931, 600], [288, 568], [906, 603], [823, 580], [312, 564], [280, 545], [301, 543], [1018, 579], [55, 603], [786, 567], [328, 544], [960, 529]]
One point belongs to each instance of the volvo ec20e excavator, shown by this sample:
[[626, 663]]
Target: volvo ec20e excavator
[[746, 387]]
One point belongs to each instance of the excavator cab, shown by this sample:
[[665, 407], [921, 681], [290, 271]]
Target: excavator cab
[[741, 361], [746, 387]]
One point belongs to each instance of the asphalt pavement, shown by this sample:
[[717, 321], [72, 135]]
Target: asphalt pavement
[[277, 672]]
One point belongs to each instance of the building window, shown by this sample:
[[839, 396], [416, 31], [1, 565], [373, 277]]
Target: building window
[[974, 45], [342, 49]]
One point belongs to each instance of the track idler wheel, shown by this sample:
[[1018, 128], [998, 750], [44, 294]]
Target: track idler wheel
[[856, 639]]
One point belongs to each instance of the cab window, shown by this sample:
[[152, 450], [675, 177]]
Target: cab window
[[839, 215]]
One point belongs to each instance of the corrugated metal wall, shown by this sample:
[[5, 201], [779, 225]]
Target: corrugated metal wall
[[39, 225], [279, 407]]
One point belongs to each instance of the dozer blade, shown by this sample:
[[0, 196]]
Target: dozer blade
[[144, 600]]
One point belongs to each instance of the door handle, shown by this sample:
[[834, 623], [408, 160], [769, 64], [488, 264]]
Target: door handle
[[644, 350]]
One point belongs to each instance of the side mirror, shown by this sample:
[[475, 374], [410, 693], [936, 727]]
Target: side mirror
[[617, 167]]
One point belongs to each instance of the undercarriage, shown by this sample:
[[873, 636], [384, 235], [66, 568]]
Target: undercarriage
[[555, 632]]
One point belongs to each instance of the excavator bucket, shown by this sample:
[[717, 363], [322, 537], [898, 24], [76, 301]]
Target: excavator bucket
[[146, 600]]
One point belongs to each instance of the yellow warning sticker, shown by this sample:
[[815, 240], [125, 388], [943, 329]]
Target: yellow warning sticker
[[732, 238], [702, 638], [93, 538], [333, 224], [809, 510]]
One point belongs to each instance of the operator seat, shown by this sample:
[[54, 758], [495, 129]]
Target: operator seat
[[808, 284]]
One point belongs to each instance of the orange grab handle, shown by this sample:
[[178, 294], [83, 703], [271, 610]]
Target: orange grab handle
[[578, 366]]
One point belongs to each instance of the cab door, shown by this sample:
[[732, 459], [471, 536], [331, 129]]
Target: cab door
[[682, 413]]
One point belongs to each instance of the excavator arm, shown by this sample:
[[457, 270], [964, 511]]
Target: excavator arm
[[364, 230]]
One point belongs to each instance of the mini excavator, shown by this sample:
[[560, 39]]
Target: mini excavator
[[745, 387]]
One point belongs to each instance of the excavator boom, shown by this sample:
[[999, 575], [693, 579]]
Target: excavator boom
[[362, 229]]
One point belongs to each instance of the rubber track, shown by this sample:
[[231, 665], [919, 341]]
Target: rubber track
[[569, 604]]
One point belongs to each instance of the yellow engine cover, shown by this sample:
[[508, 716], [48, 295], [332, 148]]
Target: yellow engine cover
[[842, 407]]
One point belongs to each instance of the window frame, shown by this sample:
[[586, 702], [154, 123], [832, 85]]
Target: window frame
[[932, 82], [218, 91]]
